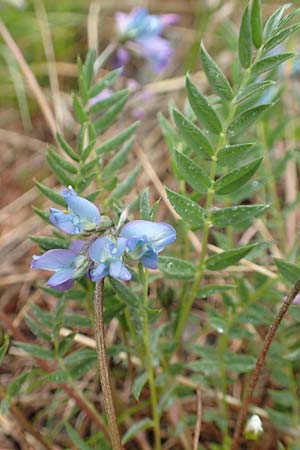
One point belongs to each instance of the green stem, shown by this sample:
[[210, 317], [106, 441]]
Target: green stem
[[103, 368], [150, 368]]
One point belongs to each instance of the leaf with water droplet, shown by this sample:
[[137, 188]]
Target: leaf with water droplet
[[190, 211], [236, 178], [176, 268], [229, 257], [236, 215]]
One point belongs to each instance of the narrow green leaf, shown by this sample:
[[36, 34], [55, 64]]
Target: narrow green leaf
[[41, 213], [273, 21], [239, 363], [86, 151], [211, 289], [80, 357], [246, 119], [114, 142], [289, 271], [138, 385], [245, 40], [145, 208], [190, 211], [85, 182], [253, 89], [168, 132], [193, 174], [236, 215], [236, 178], [228, 258], [57, 170], [37, 329], [141, 425], [43, 317], [232, 154], [89, 166], [204, 112], [75, 438], [287, 18], [51, 194], [125, 186], [125, 294], [281, 36], [106, 103], [118, 160], [16, 384], [269, 62], [66, 147], [61, 161], [176, 268], [4, 347], [109, 118], [89, 66], [80, 113], [108, 80], [256, 23], [192, 135], [215, 76], [36, 350]]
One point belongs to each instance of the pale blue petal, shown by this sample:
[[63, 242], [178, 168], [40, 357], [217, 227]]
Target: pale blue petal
[[63, 221], [121, 247], [53, 260], [60, 277], [157, 51], [64, 286], [118, 270], [76, 246], [159, 234], [149, 260], [100, 250], [82, 207], [99, 272]]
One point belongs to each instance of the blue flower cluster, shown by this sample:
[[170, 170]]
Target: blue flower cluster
[[142, 32], [98, 257]]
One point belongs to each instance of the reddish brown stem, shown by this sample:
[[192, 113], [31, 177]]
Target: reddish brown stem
[[103, 368], [259, 364]]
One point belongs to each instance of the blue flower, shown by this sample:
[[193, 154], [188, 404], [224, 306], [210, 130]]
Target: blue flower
[[67, 264], [81, 216], [142, 30], [107, 256], [146, 239]]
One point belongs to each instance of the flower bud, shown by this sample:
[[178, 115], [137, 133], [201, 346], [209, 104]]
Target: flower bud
[[253, 428]]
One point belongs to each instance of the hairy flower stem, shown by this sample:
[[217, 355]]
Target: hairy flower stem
[[259, 364], [150, 368], [103, 368]]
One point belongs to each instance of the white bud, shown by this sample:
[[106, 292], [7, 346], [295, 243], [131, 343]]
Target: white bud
[[253, 428]]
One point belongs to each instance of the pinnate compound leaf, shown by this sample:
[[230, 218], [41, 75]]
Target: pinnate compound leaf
[[245, 40], [246, 119], [203, 111], [80, 113], [193, 174], [192, 135], [138, 385], [228, 258], [215, 76], [142, 425], [145, 208], [62, 161], [236, 178], [236, 215], [269, 62], [190, 211], [289, 271], [176, 268], [256, 23]]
